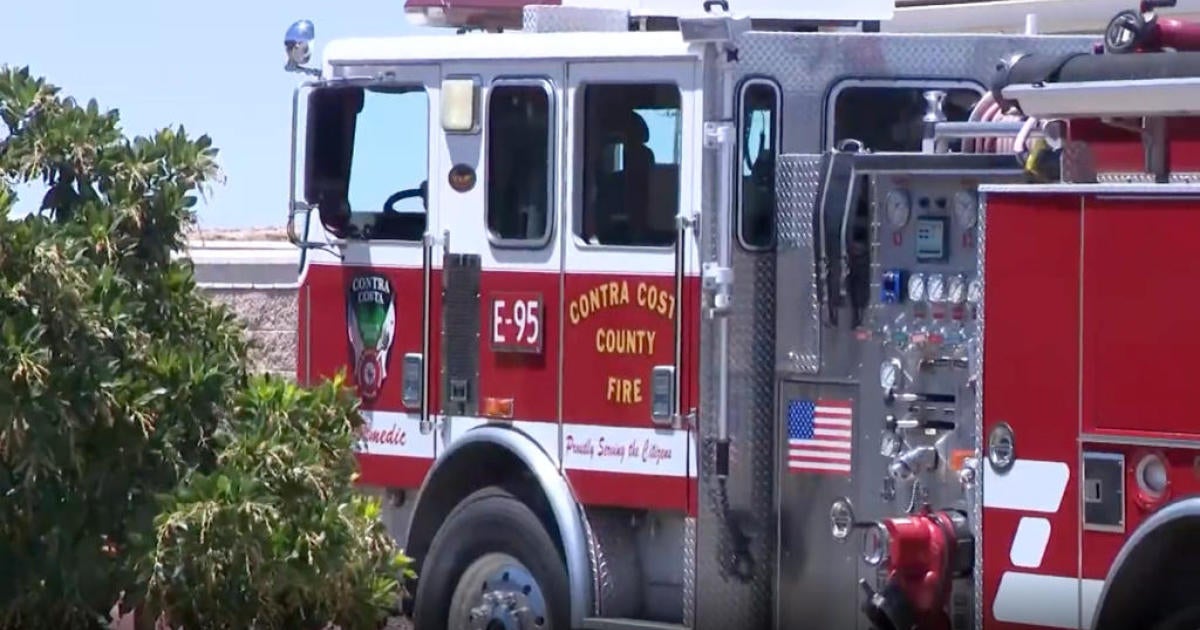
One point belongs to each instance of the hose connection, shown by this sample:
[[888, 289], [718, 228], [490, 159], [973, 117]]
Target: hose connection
[[920, 556]]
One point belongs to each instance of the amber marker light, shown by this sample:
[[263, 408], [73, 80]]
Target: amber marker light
[[498, 407]]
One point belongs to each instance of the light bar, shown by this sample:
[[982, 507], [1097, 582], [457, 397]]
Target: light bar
[[1095, 99], [508, 12], [794, 10], [1008, 16]]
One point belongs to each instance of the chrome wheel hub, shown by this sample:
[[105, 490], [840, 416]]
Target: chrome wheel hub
[[509, 599]]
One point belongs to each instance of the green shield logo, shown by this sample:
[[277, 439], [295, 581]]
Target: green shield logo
[[371, 315]]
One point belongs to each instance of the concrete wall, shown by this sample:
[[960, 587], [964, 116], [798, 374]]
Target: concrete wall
[[270, 318], [254, 272]]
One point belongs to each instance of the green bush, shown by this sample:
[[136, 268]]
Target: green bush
[[120, 385], [276, 536]]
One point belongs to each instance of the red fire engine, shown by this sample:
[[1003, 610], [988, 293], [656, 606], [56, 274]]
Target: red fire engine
[[672, 316]]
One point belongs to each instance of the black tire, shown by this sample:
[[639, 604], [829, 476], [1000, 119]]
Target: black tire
[[1185, 618], [482, 536]]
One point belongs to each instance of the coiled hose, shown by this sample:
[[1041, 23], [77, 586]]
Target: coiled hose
[[1037, 157], [988, 110]]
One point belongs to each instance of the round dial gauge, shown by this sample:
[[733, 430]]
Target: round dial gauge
[[975, 291], [898, 207], [889, 373], [916, 287], [956, 290], [937, 288], [966, 208]]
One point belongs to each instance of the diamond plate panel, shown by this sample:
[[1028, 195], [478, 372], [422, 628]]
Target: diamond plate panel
[[689, 570], [976, 366], [594, 561], [1145, 178], [736, 555], [735, 563], [559, 19], [797, 181], [615, 560], [736, 536], [808, 65]]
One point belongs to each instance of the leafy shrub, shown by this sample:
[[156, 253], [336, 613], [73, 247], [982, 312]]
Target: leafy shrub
[[276, 536], [114, 371], [119, 382]]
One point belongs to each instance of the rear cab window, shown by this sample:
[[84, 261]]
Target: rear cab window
[[632, 145]]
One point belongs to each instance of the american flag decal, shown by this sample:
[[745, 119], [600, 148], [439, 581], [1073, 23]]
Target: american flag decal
[[819, 436]]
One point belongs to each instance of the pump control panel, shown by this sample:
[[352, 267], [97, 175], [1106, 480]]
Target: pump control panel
[[897, 294], [915, 383], [926, 258]]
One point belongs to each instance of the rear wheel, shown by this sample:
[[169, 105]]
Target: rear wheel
[[1186, 618], [492, 566]]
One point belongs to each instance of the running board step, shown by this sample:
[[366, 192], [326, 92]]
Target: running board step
[[596, 623]]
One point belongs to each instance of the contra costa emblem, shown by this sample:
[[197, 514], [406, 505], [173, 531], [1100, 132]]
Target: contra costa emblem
[[371, 315]]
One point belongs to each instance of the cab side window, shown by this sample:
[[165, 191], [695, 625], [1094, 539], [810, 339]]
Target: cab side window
[[632, 137], [758, 148], [519, 150], [889, 118], [389, 168]]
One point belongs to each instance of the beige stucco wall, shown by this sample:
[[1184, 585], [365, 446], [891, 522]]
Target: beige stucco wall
[[254, 273], [270, 319]]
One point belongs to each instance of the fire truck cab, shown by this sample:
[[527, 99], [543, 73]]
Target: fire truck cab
[[671, 314]]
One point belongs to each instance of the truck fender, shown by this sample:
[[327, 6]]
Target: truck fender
[[1162, 545], [493, 455]]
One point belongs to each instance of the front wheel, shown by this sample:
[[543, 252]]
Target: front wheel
[[1186, 618], [492, 566]]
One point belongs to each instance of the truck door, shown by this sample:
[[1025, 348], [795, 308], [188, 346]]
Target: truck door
[[367, 167], [499, 189], [633, 153]]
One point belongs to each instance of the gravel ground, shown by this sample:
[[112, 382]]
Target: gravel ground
[[126, 622]]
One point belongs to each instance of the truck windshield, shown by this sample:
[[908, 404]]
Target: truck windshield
[[368, 161]]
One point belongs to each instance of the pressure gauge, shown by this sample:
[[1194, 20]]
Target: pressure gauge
[[916, 287], [975, 291], [889, 374], [966, 207], [898, 207], [957, 289], [937, 288]]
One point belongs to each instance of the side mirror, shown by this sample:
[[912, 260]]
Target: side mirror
[[328, 148]]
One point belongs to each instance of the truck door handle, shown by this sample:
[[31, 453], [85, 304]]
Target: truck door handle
[[662, 395], [944, 362], [893, 397]]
